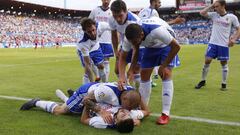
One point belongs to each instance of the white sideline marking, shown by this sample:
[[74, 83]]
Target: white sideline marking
[[155, 114], [202, 120], [39, 63]]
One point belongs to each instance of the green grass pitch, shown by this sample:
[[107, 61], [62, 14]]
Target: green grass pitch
[[33, 73]]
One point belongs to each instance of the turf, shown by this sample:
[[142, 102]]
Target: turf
[[38, 73]]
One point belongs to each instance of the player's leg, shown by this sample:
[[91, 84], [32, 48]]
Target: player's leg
[[145, 84], [48, 106], [98, 59], [61, 95], [167, 84], [210, 54], [225, 71]]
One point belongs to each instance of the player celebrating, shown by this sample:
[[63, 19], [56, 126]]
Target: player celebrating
[[98, 92], [160, 50], [220, 42], [89, 50], [118, 23], [102, 14]]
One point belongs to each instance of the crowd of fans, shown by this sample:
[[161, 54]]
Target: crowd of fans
[[18, 30], [27, 30]]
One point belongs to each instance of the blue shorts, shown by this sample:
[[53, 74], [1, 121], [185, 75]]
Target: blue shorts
[[74, 103], [107, 50], [96, 57], [153, 57], [219, 52], [140, 54]]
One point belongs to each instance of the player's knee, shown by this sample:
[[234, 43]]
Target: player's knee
[[59, 110]]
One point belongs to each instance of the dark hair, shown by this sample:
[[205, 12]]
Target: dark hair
[[222, 2], [125, 126], [86, 23], [151, 1], [133, 31], [118, 5]]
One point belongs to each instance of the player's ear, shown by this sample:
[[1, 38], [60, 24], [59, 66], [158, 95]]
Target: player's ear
[[142, 35]]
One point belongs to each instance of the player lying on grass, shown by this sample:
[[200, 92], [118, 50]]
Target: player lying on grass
[[123, 120], [98, 92]]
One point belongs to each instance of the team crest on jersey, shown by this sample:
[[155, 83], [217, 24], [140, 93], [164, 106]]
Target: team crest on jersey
[[101, 95]]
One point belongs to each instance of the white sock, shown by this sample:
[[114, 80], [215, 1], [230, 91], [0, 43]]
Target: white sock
[[137, 79], [102, 75], [224, 74], [145, 91], [107, 69], [95, 70], [85, 79], [156, 70], [48, 106], [205, 71], [167, 95], [61, 95]]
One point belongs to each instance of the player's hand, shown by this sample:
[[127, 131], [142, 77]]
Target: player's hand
[[179, 20], [121, 84], [130, 76], [231, 42], [164, 72], [107, 117]]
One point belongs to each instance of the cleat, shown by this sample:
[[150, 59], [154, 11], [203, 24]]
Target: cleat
[[200, 84], [154, 84], [155, 76], [97, 79], [30, 104], [70, 92], [163, 120], [224, 87]]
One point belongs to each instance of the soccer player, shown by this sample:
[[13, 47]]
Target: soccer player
[[161, 49], [124, 120], [102, 14], [89, 50], [98, 92], [151, 11], [220, 40], [118, 23]]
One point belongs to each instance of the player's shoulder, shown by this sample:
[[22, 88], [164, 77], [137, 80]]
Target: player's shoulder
[[132, 17]]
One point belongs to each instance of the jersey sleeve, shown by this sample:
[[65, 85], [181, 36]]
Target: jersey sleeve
[[97, 122], [82, 47], [112, 23], [104, 94], [211, 15], [102, 27], [126, 45], [235, 21], [163, 35], [136, 114], [92, 14]]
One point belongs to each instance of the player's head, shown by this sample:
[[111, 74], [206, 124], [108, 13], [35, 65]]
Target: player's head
[[105, 3], [219, 6], [155, 3], [89, 27], [119, 11], [130, 99], [134, 34], [124, 123]]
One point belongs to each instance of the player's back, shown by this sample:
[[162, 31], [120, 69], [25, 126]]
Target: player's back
[[147, 13]]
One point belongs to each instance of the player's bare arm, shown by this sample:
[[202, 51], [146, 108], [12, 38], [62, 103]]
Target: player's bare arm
[[115, 42], [204, 12], [122, 68], [88, 69]]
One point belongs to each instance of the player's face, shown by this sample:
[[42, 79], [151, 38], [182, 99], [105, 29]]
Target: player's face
[[157, 4], [120, 17], [122, 114], [91, 32], [105, 3], [218, 8]]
